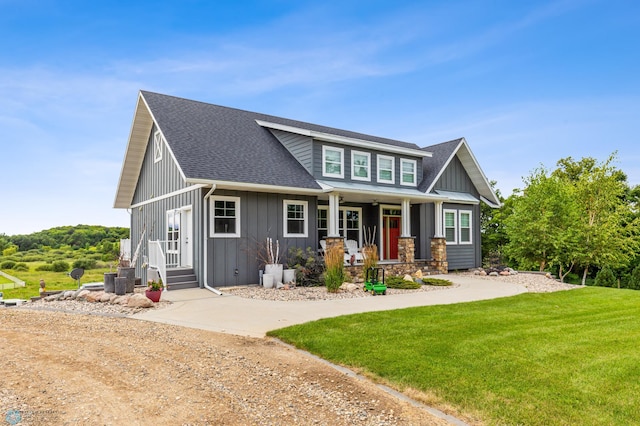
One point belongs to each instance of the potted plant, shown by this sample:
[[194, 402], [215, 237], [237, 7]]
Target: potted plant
[[154, 290], [272, 265]]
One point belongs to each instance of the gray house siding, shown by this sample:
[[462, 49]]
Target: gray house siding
[[455, 178], [466, 256], [157, 178], [235, 261], [422, 228], [317, 165], [301, 147]]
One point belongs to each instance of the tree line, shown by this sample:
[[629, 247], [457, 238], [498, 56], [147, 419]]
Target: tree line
[[73, 237], [578, 219]]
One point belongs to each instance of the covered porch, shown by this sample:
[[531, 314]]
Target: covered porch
[[349, 210]]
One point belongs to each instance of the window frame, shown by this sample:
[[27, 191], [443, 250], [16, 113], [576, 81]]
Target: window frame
[[285, 218], [414, 163], [173, 233], [158, 146], [342, 217], [455, 225], [212, 217], [460, 228], [393, 168], [326, 148], [368, 165]]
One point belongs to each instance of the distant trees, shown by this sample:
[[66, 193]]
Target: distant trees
[[80, 236]]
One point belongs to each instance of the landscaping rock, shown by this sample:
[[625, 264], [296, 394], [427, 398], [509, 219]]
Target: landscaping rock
[[94, 296], [82, 295], [69, 294], [137, 300], [105, 298], [407, 278]]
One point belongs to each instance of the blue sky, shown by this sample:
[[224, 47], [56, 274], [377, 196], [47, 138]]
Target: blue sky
[[526, 83]]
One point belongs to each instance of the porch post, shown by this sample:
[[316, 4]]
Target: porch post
[[405, 231], [438, 220], [334, 215]]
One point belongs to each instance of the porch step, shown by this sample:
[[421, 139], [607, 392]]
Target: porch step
[[181, 278]]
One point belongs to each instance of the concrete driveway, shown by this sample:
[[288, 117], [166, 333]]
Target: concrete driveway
[[202, 309]]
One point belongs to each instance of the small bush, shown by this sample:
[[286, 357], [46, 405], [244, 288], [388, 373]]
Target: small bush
[[395, 281], [436, 281], [22, 267], [85, 264], [634, 280], [308, 265], [7, 264], [60, 266], [606, 278], [44, 267]]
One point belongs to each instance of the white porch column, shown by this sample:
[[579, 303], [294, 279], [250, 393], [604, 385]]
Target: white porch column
[[439, 231], [405, 231], [334, 215]]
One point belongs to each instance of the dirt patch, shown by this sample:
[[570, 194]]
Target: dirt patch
[[61, 368]]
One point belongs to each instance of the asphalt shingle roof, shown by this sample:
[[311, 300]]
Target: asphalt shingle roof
[[431, 166], [213, 142]]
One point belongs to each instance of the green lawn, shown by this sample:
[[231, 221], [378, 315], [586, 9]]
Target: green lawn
[[53, 281], [4, 280], [563, 358]]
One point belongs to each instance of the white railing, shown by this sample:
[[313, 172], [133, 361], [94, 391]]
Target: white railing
[[15, 284], [157, 259]]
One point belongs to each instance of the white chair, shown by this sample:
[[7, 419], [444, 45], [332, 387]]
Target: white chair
[[352, 249], [323, 247]]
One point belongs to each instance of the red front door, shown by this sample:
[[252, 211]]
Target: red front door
[[390, 234]]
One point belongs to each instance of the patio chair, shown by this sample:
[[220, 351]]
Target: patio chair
[[352, 249]]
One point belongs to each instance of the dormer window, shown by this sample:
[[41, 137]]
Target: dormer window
[[386, 165], [360, 165], [158, 143], [408, 172], [332, 162]]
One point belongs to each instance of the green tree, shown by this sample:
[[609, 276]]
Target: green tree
[[539, 226], [492, 227]]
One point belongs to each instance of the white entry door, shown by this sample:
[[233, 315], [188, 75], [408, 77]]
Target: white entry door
[[186, 236]]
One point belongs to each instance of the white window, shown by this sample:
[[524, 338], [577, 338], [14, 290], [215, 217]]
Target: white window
[[158, 143], [173, 230], [332, 162], [225, 217], [295, 218], [465, 227], [360, 165], [407, 172], [386, 169], [450, 226], [349, 223]]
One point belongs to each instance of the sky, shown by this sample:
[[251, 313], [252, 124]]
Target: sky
[[525, 82]]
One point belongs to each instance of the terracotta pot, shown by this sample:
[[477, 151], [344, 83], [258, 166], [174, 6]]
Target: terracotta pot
[[153, 295]]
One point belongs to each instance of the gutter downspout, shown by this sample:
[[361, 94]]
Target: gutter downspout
[[204, 241]]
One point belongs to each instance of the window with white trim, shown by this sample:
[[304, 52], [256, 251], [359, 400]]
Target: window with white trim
[[158, 143], [408, 172], [360, 165], [465, 227], [349, 223], [225, 217], [450, 226], [323, 222], [386, 169], [173, 230], [295, 218], [332, 162]]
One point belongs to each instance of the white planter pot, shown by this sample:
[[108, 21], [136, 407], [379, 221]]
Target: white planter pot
[[274, 269], [289, 276], [267, 281]]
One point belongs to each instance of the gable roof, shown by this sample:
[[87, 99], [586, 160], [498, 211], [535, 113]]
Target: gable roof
[[443, 153]]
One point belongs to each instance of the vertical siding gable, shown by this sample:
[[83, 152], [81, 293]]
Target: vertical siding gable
[[157, 178], [455, 178], [301, 147]]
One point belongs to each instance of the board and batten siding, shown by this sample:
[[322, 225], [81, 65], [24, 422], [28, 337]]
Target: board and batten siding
[[455, 178], [301, 147], [235, 261], [317, 165], [157, 179], [466, 256]]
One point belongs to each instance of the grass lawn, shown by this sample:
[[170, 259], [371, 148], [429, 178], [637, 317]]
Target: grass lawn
[[53, 281], [4, 280], [564, 358]]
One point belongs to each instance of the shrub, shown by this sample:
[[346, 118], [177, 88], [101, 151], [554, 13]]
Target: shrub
[[606, 278], [370, 254], [12, 249], [396, 281], [308, 265], [21, 267], [436, 281], [44, 267], [334, 269], [634, 280], [7, 264], [60, 266], [85, 263]]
